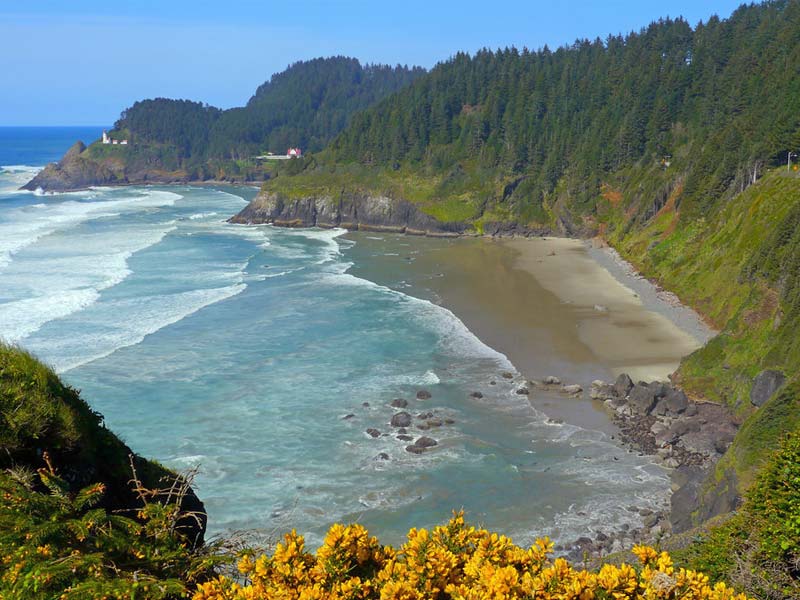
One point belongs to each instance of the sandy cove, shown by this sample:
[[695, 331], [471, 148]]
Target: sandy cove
[[636, 331]]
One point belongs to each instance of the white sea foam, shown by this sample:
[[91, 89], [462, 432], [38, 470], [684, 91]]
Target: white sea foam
[[22, 226], [330, 250], [455, 337], [12, 177], [202, 215], [106, 333], [68, 275]]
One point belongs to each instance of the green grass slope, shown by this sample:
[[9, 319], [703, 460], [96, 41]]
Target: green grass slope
[[39, 416]]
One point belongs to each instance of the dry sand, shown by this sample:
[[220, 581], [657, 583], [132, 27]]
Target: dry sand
[[627, 334]]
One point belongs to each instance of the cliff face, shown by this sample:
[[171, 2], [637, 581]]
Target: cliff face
[[74, 172], [83, 167], [351, 210]]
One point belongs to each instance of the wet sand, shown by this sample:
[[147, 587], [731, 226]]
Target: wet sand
[[546, 303]]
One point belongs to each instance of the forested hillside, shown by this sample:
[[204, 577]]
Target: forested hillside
[[306, 105], [174, 141], [720, 103]]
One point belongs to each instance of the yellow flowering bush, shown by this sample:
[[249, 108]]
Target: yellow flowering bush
[[453, 562]]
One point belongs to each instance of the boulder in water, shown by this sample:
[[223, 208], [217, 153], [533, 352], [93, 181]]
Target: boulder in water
[[401, 419]]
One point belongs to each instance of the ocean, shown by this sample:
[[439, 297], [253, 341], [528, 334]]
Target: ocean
[[255, 354]]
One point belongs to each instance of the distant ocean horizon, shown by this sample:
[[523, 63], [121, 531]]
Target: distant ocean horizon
[[254, 353], [36, 146]]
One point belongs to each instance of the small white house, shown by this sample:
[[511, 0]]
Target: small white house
[[109, 140], [294, 153]]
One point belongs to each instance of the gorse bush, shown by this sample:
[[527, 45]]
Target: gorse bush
[[58, 544], [454, 561]]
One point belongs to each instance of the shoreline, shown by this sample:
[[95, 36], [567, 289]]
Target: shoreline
[[593, 319]]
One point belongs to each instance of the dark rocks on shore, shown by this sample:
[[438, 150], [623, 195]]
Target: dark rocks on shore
[[423, 395], [399, 403], [765, 385], [401, 419], [658, 419], [507, 375], [523, 391], [623, 385], [350, 209], [348, 417], [426, 442], [405, 438], [675, 401], [373, 432], [421, 445], [476, 395], [642, 398], [572, 390]]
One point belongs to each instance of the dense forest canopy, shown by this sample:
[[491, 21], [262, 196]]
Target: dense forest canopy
[[306, 105], [726, 93]]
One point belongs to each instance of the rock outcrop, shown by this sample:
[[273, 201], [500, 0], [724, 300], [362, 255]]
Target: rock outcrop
[[73, 172], [765, 385], [350, 210], [688, 437], [81, 168]]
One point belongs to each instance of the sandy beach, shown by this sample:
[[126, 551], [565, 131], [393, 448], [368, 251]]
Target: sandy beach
[[634, 331], [553, 306]]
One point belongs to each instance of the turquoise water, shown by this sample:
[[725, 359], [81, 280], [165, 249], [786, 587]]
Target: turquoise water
[[251, 351]]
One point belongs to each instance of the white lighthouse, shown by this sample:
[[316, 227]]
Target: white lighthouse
[[106, 139]]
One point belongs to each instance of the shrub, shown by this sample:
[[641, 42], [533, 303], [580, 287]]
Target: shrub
[[758, 549], [454, 561], [58, 544]]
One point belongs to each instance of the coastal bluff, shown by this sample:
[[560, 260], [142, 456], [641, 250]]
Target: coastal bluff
[[74, 172], [84, 166], [348, 209]]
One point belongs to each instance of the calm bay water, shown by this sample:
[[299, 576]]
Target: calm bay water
[[251, 352]]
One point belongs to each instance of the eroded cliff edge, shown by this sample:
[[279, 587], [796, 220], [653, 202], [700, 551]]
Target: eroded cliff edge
[[348, 209], [74, 172]]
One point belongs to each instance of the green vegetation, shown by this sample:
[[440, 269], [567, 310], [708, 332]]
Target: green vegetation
[[724, 95], [80, 514], [55, 543], [59, 540], [304, 106], [758, 549]]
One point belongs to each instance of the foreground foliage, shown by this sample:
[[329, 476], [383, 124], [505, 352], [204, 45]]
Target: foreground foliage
[[759, 548], [454, 561], [58, 544]]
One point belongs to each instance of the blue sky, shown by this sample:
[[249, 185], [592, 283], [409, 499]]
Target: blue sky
[[81, 62]]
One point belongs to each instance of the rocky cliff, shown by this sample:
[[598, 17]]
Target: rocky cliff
[[351, 210], [73, 172], [83, 167]]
